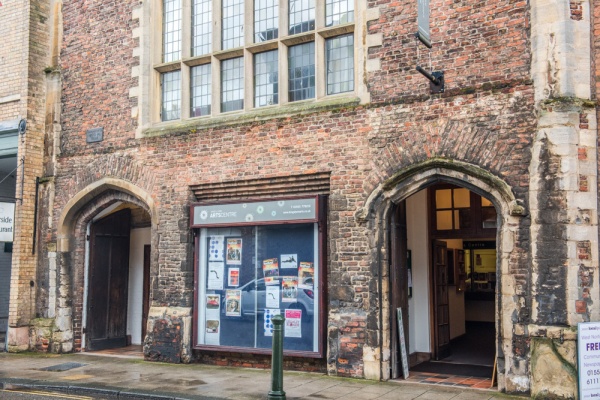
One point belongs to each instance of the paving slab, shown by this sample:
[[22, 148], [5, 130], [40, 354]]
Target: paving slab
[[135, 378]]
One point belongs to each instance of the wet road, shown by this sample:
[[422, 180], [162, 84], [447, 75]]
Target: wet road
[[28, 394]]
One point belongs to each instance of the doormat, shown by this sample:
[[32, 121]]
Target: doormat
[[478, 371], [62, 367]]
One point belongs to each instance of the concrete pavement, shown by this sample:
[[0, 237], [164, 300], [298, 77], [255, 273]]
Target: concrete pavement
[[134, 378]]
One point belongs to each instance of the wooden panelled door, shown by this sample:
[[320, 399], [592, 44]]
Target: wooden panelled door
[[440, 300], [108, 280], [398, 283]]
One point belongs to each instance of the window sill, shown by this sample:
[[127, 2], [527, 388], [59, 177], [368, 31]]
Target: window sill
[[242, 117]]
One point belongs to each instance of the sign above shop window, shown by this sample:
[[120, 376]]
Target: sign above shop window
[[254, 212]]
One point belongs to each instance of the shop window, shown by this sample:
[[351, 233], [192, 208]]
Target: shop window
[[256, 260]]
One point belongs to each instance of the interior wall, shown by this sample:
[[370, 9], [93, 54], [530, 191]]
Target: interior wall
[[418, 305], [456, 300], [7, 194], [139, 238]]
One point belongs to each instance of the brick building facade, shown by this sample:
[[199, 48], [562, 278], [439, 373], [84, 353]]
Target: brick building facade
[[516, 125]]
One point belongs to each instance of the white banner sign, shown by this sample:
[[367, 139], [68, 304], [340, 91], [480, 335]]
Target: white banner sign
[[588, 357], [7, 221]]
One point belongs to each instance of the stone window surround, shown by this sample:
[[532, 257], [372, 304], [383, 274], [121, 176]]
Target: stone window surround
[[147, 112]]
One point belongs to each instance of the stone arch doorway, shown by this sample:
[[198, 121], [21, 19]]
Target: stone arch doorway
[[443, 275], [105, 243], [381, 212]]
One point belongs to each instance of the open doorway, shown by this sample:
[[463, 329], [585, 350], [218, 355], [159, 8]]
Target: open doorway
[[443, 276], [117, 299]]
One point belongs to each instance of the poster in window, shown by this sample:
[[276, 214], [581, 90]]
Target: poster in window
[[270, 280], [215, 248], [234, 277], [272, 297], [306, 275], [213, 319], [269, 314], [233, 306], [234, 251], [270, 267], [215, 279], [212, 326], [289, 261], [289, 289], [293, 323]]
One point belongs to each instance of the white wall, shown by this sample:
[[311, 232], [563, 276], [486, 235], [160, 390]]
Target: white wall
[[418, 306], [139, 238]]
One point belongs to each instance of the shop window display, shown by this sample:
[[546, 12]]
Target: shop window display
[[262, 260]]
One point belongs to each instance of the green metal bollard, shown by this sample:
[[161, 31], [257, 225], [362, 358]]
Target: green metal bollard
[[277, 360]]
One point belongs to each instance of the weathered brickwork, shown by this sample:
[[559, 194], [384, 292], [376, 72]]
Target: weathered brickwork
[[479, 45], [24, 56], [487, 120]]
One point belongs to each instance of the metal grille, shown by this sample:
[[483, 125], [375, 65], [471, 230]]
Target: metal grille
[[202, 27], [266, 20], [338, 12], [201, 90], [232, 84], [301, 16], [266, 78], [301, 71], [340, 64], [171, 30], [171, 95], [233, 24]]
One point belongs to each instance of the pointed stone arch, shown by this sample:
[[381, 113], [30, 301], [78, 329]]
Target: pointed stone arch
[[413, 178], [409, 180], [71, 209]]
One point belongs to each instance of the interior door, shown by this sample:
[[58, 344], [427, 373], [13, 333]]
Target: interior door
[[441, 305], [108, 279], [398, 283]]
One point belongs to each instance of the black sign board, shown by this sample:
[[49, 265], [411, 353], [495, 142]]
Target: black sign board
[[94, 135]]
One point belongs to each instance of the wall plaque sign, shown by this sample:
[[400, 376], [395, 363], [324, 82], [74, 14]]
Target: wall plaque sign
[[94, 135]]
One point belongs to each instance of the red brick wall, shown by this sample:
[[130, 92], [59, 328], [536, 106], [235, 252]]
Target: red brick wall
[[485, 118]]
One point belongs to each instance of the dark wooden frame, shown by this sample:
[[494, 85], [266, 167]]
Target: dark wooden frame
[[475, 232], [321, 220]]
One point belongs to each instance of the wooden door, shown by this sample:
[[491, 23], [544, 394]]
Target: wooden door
[[441, 305], [398, 283], [146, 291], [108, 280]]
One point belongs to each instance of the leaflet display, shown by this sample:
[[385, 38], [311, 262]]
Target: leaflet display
[[248, 274]]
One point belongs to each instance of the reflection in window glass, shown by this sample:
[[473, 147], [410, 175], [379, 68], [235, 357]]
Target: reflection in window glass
[[171, 30], [301, 71], [301, 16], [232, 84], [340, 64], [266, 80], [233, 24], [489, 217], [201, 90], [171, 95], [338, 12], [266, 20], [485, 202], [202, 27]]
